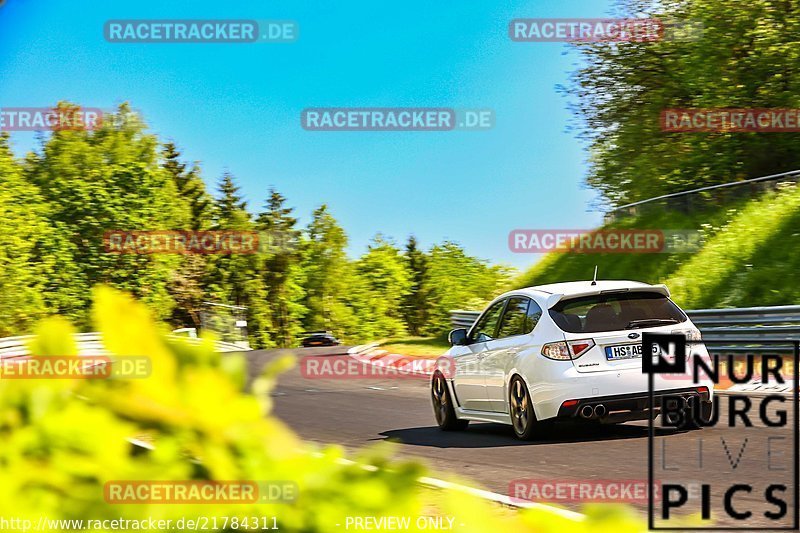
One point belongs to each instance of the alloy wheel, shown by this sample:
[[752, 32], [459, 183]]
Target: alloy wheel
[[520, 413]]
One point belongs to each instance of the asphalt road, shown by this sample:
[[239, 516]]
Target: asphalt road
[[359, 412]]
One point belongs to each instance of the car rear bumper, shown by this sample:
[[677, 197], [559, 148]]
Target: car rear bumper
[[626, 407], [556, 382]]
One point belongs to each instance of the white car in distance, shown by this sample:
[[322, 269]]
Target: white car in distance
[[569, 351]]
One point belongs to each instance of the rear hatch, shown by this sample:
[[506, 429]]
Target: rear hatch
[[611, 323]]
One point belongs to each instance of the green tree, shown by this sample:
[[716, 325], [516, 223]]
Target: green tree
[[283, 273], [236, 279], [191, 188], [187, 282], [746, 56], [24, 234], [459, 281], [383, 283], [416, 302], [95, 181], [231, 208], [327, 272]]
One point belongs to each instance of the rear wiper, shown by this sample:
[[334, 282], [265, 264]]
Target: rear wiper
[[643, 323]]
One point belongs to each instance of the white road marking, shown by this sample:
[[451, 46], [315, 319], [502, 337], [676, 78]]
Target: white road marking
[[502, 499]]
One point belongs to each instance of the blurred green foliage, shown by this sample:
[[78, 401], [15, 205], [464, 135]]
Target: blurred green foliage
[[738, 55], [458, 281], [745, 55], [749, 248], [62, 440], [749, 260]]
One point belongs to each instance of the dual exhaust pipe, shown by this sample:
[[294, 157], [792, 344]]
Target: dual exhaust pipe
[[593, 411], [683, 402], [599, 410]]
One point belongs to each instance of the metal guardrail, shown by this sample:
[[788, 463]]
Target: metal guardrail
[[761, 181], [743, 327], [791, 175], [92, 344], [748, 325], [463, 319]]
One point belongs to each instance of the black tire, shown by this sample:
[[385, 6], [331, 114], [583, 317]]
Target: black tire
[[443, 408], [523, 419]]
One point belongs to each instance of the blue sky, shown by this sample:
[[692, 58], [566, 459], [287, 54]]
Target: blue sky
[[237, 107]]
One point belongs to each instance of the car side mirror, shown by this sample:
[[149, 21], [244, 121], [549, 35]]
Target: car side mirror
[[458, 337]]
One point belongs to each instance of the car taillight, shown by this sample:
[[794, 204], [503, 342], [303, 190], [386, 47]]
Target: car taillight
[[580, 347], [564, 351], [557, 351]]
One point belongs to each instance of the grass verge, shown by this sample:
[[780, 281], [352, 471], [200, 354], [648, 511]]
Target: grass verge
[[416, 346]]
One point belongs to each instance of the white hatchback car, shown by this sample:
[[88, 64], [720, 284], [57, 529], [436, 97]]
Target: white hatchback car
[[564, 351]]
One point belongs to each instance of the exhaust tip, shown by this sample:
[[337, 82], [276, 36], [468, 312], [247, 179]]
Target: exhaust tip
[[676, 402], [600, 410], [587, 411]]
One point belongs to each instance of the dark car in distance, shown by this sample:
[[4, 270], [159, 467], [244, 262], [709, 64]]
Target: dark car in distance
[[319, 338]]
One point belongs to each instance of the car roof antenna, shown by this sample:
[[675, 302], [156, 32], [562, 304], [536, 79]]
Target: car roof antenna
[[594, 279]]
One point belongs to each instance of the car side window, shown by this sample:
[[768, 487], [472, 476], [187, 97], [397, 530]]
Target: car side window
[[533, 316], [515, 317], [486, 327]]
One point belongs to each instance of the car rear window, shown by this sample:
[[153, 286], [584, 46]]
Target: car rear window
[[616, 311]]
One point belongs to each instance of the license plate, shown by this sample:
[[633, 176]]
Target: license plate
[[627, 351]]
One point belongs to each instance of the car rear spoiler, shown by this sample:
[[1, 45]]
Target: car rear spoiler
[[553, 299]]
